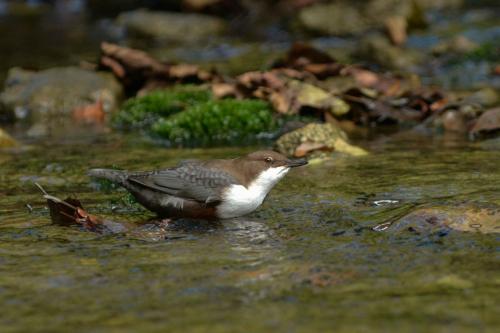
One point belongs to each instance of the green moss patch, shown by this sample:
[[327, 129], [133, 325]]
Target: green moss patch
[[216, 122], [188, 116], [142, 112]]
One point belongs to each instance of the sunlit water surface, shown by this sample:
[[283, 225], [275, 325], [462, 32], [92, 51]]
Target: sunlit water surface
[[306, 261]]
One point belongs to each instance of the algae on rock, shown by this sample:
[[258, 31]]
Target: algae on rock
[[319, 137]]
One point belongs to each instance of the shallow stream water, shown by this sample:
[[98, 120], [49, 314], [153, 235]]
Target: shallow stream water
[[307, 261]]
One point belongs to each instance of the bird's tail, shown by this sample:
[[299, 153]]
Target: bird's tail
[[116, 176]]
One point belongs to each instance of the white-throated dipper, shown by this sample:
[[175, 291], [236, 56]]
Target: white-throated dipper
[[205, 189]]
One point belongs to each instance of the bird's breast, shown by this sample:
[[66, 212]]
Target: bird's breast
[[239, 200]]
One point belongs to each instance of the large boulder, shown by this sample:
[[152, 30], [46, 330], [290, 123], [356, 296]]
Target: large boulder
[[167, 26], [58, 92]]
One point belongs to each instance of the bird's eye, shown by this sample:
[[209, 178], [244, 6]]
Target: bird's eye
[[269, 159]]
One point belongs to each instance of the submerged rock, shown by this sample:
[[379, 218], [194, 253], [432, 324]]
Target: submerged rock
[[168, 26], [314, 138], [49, 94], [462, 218]]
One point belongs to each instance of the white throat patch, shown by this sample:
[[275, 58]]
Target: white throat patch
[[240, 200]]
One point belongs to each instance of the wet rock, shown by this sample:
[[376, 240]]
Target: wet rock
[[378, 48], [333, 19], [459, 44], [317, 138], [488, 123], [454, 121], [485, 97], [312, 96], [463, 218], [49, 94], [6, 141], [458, 118], [345, 17], [396, 29], [167, 26]]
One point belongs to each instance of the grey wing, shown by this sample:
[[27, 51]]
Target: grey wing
[[189, 181]]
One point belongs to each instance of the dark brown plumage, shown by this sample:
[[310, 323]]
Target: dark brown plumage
[[195, 189]]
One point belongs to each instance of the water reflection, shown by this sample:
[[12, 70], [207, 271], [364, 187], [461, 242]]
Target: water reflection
[[251, 238]]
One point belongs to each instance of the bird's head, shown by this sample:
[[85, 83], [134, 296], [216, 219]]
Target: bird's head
[[266, 166]]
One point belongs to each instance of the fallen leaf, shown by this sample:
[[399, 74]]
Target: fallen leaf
[[133, 59], [281, 102], [189, 72], [438, 105], [305, 148], [6, 140], [70, 212], [222, 90], [89, 114], [364, 77], [396, 29], [496, 70]]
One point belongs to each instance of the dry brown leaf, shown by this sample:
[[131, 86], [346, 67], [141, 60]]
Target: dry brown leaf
[[438, 105], [89, 114], [70, 212], [114, 65], [6, 140], [496, 70], [132, 59], [222, 90], [364, 77], [306, 147], [396, 29], [280, 101]]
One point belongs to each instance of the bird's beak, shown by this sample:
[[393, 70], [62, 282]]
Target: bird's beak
[[296, 163]]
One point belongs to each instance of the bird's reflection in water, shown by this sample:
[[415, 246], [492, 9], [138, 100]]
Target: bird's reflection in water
[[251, 237], [244, 235], [158, 230]]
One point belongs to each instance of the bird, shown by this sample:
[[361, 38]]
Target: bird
[[210, 189]]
